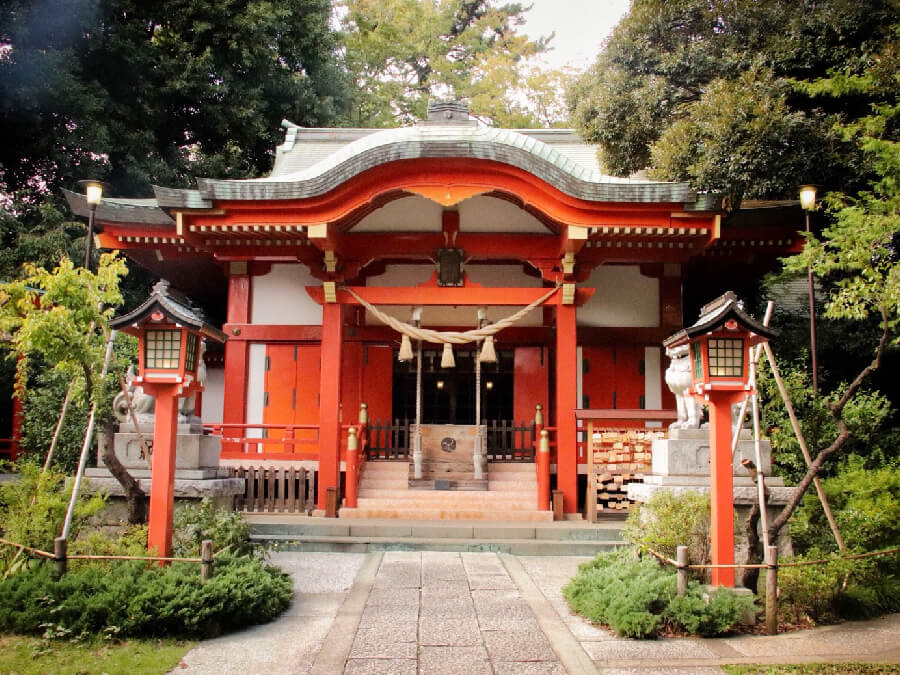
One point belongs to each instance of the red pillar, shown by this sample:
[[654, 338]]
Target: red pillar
[[162, 481], [237, 352], [18, 417], [329, 402], [721, 494], [566, 394]]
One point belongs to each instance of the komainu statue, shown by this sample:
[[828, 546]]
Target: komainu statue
[[145, 404], [678, 379]]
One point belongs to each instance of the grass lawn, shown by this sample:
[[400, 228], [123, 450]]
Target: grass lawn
[[817, 668], [22, 655]]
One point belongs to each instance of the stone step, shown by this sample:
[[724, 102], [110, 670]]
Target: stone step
[[448, 513], [510, 467], [301, 526], [522, 492], [460, 498], [528, 547], [512, 486]]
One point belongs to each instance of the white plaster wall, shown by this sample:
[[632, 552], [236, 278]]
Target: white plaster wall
[[624, 298], [489, 214], [408, 214], [280, 297], [256, 384], [403, 275], [213, 395], [652, 378]]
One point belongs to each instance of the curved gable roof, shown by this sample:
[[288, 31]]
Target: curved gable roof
[[521, 150]]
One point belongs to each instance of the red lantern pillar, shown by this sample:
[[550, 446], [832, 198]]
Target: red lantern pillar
[[721, 489], [162, 484]]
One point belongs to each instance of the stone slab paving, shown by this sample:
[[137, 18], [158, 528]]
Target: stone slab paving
[[291, 643], [436, 612], [470, 613]]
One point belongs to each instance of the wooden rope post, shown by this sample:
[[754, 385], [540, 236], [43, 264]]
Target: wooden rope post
[[681, 557], [772, 590], [60, 560], [206, 558]]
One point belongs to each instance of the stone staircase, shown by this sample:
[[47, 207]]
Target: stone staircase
[[511, 495], [295, 532]]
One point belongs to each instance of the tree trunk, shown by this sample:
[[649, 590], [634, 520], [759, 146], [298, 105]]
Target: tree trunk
[[750, 576], [135, 497]]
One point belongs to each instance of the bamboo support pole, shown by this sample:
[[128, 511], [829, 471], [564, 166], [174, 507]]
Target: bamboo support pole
[[772, 590], [206, 560], [86, 445], [796, 426], [56, 431]]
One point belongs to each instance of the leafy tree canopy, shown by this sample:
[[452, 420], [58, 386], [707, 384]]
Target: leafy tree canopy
[[402, 53], [707, 92], [157, 92]]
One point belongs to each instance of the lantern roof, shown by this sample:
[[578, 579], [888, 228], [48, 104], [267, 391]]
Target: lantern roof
[[174, 305], [714, 314]]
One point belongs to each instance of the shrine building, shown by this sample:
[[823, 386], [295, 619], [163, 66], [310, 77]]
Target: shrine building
[[392, 268]]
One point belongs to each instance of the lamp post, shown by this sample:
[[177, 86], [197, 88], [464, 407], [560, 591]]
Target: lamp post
[[808, 203], [169, 332], [93, 193], [720, 341]]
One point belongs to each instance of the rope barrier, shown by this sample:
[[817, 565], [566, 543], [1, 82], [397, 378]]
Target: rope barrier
[[450, 337], [762, 566], [149, 558]]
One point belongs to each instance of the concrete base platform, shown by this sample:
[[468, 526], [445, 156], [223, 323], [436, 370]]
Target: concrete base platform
[[303, 533]]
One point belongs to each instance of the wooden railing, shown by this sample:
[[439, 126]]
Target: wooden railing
[[509, 442], [9, 449], [387, 440], [268, 441], [275, 489]]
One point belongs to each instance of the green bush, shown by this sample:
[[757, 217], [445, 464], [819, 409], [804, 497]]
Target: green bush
[[811, 591], [226, 528], [32, 511], [866, 506], [668, 521], [143, 600], [636, 598]]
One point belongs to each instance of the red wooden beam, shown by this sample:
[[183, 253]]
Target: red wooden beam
[[432, 295]]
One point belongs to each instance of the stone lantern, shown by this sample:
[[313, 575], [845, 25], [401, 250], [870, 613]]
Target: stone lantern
[[719, 345], [169, 332]]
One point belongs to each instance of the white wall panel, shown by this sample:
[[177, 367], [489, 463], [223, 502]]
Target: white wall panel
[[624, 298], [280, 297]]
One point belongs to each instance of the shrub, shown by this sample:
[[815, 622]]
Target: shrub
[[142, 600], [226, 528], [668, 521], [636, 598], [811, 591], [32, 511], [866, 506]]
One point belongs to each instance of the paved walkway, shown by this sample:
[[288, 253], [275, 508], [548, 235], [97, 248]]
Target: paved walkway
[[432, 612]]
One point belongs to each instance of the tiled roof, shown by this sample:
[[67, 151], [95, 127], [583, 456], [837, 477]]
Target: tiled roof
[[337, 155], [176, 306], [138, 211]]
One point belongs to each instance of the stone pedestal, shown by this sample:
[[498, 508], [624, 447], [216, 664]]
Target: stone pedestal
[[451, 456], [197, 471], [681, 464]]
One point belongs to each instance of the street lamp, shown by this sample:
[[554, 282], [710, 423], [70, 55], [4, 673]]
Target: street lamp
[[93, 193], [808, 203], [719, 345], [169, 331]]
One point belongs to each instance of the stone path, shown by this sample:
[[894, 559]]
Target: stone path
[[472, 613]]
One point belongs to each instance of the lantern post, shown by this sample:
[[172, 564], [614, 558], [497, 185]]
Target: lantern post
[[720, 375], [169, 331]]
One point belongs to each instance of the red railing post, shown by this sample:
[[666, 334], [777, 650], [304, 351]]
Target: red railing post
[[543, 471], [289, 439], [352, 468], [538, 428]]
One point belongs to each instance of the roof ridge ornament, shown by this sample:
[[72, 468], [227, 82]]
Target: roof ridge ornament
[[442, 112]]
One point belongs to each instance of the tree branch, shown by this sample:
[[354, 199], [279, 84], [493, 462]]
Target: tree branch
[[837, 408]]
